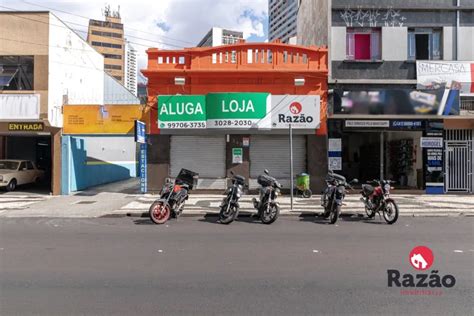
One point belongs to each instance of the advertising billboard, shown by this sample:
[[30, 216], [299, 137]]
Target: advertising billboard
[[397, 102]]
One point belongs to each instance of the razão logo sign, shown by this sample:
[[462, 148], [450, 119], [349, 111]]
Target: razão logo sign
[[182, 111], [301, 111]]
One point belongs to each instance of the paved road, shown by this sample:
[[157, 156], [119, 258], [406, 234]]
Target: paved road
[[297, 266]]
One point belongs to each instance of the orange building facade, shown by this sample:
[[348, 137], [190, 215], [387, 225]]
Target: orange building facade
[[228, 108]]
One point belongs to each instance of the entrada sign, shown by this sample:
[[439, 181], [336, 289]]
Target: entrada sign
[[26, 127], [238, 111]]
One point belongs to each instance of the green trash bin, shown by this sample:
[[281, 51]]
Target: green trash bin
[[302, 185]]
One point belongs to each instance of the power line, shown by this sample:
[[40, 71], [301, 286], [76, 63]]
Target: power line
[[83, 17], [81, 25]]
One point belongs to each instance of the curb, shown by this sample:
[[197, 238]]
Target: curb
[[288, 214]]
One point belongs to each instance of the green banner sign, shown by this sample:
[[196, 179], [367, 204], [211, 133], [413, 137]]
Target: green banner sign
[[238, 110], [181, 111]]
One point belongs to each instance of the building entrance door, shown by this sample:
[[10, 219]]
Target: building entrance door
[[459, 161]]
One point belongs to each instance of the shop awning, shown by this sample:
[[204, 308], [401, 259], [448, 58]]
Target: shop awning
[[457, 75]]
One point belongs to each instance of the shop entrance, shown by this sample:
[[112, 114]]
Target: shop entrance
[[394, 155], [36, 149]]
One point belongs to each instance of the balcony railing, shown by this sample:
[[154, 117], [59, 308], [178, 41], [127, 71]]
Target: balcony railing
[[241, 57], [19, 106]]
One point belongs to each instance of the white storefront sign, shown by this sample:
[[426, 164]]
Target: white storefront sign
[[431, 142], [453, 74], [367, 123], [301, 111]]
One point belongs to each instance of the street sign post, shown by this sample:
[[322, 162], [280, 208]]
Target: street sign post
[[140, 138]]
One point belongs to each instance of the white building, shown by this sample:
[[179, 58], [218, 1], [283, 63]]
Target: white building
[[282, 22], [131, 69], [218, 36]]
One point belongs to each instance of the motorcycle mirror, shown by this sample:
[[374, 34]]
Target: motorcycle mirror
[[266, 171], [232, 172]]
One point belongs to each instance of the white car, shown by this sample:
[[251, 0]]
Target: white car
[[17, 172]]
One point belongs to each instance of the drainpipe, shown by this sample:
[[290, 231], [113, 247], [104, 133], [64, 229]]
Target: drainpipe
[[458, 3]]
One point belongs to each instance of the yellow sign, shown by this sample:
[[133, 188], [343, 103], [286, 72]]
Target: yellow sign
[[98, 119], [26, 127]]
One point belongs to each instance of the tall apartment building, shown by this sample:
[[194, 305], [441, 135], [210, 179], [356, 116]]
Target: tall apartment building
[[218, 36], [107, 37], [400, 71], [282, 19], [131, 69]]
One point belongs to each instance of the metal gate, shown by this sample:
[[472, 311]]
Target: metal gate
[[459, 161]]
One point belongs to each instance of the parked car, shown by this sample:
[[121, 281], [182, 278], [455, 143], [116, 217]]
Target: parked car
[[18, 172]]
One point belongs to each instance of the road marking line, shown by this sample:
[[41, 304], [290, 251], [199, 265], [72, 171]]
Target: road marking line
[[458, 251]]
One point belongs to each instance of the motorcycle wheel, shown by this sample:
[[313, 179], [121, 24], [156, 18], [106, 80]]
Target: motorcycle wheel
[[370, 213], [326, 212], [268, 217], [333, 215], [390, 211], [159, 213], [228, 216], [307, 193]]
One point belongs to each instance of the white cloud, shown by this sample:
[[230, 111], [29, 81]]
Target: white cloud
[[188, 20]]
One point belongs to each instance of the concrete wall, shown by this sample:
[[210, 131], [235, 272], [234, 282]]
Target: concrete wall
[[466, 43], [312, 22], [28, 34], [93, 160], [394, 43], [76, 71], [338, 43]]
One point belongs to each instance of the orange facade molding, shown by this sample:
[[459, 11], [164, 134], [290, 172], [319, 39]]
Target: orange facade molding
[[243, 67]]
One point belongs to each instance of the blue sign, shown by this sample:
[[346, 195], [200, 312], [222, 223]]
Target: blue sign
[[140, 132], [403, 124], [143, 168]]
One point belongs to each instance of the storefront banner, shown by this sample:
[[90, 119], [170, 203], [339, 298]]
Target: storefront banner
[[397, 102], [182, 111], [451, 74], [367, 123], [431, 142], [406, 125], [101, 119], [301, 111], [238, 110]]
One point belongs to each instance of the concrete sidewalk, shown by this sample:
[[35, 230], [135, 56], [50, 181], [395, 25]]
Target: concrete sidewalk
[[409, 205], [121, 199]]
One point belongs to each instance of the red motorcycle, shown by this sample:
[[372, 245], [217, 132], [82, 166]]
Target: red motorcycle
[[377, 199]]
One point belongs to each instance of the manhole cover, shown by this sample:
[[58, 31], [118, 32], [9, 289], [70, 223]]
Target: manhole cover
[[85, 202]]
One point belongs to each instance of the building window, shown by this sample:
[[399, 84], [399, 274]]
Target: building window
[[424, 44], [115, 67], [112, 56], [107, 34], [363, 44], [16, 73], [119, 78], [102, 44]]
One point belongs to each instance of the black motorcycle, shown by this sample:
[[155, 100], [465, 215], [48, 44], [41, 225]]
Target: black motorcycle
[[230, 204], [173, 195], [267, 206], [333, 195]]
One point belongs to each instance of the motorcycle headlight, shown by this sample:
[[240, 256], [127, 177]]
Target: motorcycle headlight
[[238, 195], [387, 187]]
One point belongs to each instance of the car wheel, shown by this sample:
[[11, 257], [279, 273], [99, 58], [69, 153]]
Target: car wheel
[[11, 185]]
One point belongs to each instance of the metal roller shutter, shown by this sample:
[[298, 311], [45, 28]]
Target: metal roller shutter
[[202, 154], [272, 152]]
